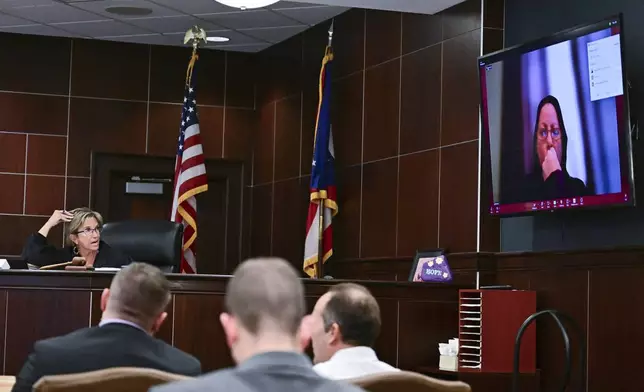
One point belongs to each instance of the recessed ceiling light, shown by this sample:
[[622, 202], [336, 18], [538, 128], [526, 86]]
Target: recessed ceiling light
[[247, 4], [217, 39], [129, 11]]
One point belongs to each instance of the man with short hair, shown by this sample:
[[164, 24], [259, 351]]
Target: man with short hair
[[345, 324], [264, 329], [133, 311]]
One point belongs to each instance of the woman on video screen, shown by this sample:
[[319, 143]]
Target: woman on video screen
[[549, 178]]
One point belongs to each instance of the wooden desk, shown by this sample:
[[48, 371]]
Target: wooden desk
[[40, 304]]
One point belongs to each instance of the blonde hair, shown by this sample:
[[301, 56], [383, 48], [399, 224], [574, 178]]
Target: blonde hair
[[80, 216]]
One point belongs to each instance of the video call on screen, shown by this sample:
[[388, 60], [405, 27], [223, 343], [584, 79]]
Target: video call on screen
[[553, 122]]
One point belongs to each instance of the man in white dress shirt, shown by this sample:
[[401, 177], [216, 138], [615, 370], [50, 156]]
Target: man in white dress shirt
[[345, 324]]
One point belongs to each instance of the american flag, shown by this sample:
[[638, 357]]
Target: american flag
[[189, 178], [322, 188]]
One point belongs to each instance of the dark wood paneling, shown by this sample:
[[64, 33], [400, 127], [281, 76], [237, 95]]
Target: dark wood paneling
[[119, 121], [494, 13], [280, 70], [460, 121], [314, 40], [287, 137], [492, 40], [614, 314], [26, 72], [124, 69], [458, 197], [238, 132], [11, 202], [346, 225], [461, 18], [420, 31], [263, 146], [389, 331], [17, 113], [14, 230], [289, 229], [310, 102], [77, 193], [383, 36], [44, 194], [240, 79], [261, 224], [211, 128], [54, 313], [381, 111], [12, 153], [379, 209], [3, 325], [416, 346], [163, 129], [565, 291], [418, 202], [421, 100], [197, 329], [349, 51], [347, 120], [168, 75], [46, 155]]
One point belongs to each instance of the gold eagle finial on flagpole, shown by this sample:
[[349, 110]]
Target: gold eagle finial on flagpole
[[195, 34]]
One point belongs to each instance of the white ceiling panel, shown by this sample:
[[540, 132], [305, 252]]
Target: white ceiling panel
[[38, 30], [275, 34], [311, 15], [152, 39], [173, 24], [23, 3], [99, 7], [249, 19], [8, 20], [194, 6], [290, 4], [53, 13], [101, 29], [241, 48]]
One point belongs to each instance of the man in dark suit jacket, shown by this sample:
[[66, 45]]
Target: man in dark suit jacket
[[133, 311]]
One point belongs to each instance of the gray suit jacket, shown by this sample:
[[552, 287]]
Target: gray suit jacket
[[272, 371]]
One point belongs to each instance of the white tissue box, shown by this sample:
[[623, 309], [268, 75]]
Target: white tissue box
[[448, 363]]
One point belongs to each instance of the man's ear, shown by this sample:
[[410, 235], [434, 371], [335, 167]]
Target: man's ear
[[335, 336], [306, 331], [104, 297], [158, 322], [229, 324]]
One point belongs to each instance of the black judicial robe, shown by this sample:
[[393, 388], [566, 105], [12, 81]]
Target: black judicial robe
[[40, 253]]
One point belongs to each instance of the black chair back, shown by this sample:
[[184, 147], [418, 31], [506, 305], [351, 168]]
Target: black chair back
[[156, 242], [559, 317]]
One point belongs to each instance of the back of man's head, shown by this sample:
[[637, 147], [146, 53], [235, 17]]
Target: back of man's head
[[355, 312], [265, 306], [139, 293]]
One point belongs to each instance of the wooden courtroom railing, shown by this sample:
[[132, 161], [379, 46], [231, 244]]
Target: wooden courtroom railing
[[40, 304]]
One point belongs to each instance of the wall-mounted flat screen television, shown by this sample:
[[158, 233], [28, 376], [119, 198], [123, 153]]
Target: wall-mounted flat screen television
[[555, 123]]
